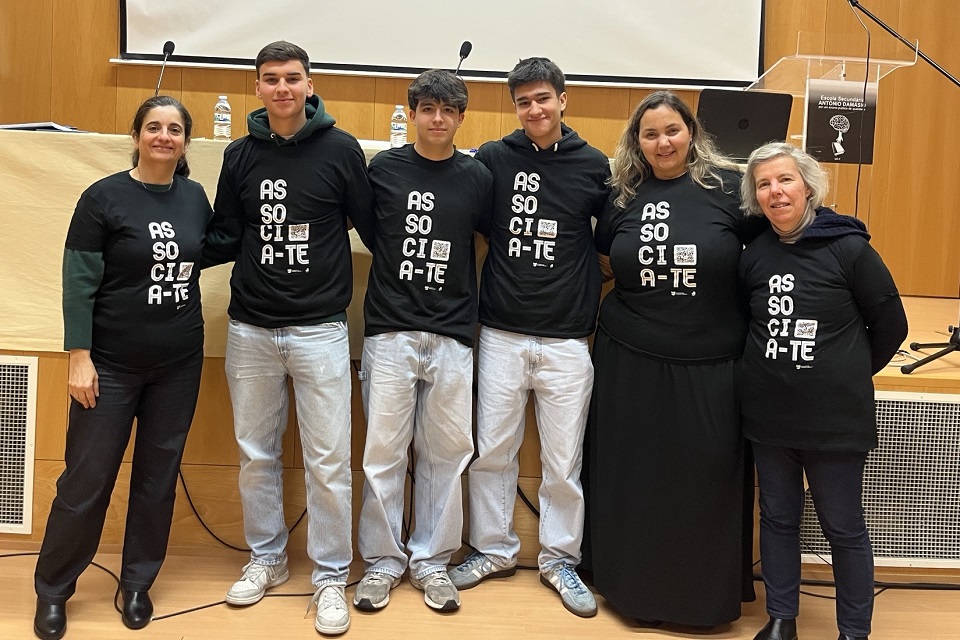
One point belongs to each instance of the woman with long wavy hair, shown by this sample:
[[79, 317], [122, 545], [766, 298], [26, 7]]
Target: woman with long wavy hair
[[666, 459]]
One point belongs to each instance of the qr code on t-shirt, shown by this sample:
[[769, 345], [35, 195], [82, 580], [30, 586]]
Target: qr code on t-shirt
[[299, 232], [547, 229], [685, 255], [440, 250], [805, 329], [186, 268]]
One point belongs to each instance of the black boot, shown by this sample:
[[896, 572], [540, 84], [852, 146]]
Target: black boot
[[137, 608], [844, 636], [778, 629], [50, 621]]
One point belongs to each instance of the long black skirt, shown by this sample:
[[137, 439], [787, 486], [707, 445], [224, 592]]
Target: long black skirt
[[665, 487]]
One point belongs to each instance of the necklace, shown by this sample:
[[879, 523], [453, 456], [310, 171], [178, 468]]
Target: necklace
[[159, 188]]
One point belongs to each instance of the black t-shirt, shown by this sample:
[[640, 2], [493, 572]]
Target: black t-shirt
[[147, 310], [674, 252], [541, 276], [805, 375], [424, 273]]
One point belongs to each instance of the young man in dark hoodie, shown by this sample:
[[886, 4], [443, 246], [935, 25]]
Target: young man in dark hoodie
[[420, 315], [286, 196], [538, 304]]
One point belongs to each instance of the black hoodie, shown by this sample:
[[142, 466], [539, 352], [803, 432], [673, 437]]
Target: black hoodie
[[818, 312], [281, 212], [541, 276]]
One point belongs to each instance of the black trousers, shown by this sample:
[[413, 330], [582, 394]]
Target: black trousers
[[836, 484], [163, 402]]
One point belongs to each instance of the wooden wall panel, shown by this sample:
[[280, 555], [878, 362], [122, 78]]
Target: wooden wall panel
[[250, 100], [216, 496], [909, 216], [783, 20], [53, 405], [484, 119], [844, 35], [351, 100], [598, 115], [199, 90], [914, 219], [211, 439], [26, 50], [135, 84], [389, 93], [85, 37], [509, 122], [530, 449]]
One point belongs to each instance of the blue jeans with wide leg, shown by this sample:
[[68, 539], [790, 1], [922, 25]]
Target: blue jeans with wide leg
[[416, 386], [559, 372]]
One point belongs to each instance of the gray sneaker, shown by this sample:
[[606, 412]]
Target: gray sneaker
[[575, 595], [257, 578], [477, 568], [333, 616], [373, 591], [438, 592]]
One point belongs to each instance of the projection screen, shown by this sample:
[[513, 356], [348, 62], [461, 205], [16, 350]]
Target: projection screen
[[633, 42]]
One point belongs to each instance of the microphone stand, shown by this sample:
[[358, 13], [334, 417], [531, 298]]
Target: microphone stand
[[953, 344], [946, 74], [160, 79]]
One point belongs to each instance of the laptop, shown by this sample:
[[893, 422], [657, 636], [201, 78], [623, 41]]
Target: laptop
[[741, 121]]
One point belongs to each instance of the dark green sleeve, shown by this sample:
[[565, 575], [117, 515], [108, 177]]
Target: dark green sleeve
[[82, 275]]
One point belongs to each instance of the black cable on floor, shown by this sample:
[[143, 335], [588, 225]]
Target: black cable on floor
[[190, 610], [94, 564], [196, 513], [193, 507]]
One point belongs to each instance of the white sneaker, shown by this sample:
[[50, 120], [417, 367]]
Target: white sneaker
[[438, 592], [373, 591], [333, 617], [477, 568], [257, 578]]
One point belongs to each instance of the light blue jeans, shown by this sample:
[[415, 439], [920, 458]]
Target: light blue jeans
[[560, 374], [317, 359], [416, 385]]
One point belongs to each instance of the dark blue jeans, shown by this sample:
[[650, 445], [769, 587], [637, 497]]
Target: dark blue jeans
[[836, 484], [163, 402]]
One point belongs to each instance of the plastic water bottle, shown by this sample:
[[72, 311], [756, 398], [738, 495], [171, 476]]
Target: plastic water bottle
[[398, 127], [221, 120]]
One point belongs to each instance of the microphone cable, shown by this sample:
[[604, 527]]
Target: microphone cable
[[866, 82]]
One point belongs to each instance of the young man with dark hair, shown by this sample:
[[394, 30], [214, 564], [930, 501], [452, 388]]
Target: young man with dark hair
[[417, 371], [538, 304], [287, 193]]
